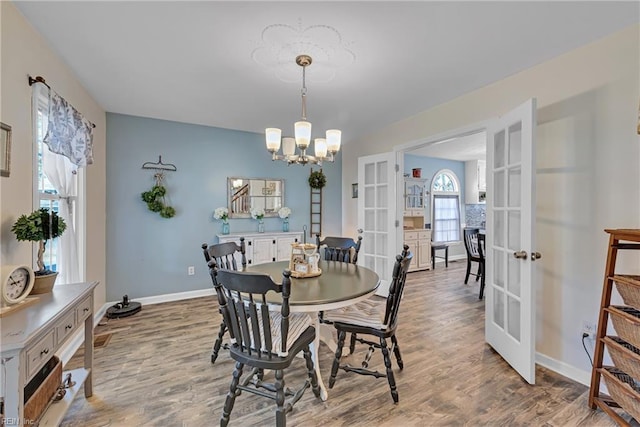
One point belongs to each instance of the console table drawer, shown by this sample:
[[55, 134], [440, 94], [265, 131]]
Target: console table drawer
[[65, 327], [39, 353], [84, 308]]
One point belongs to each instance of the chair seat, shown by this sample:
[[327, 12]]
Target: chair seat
[[368, 313]]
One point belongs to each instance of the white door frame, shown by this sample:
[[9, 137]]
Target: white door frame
[[440, 138]]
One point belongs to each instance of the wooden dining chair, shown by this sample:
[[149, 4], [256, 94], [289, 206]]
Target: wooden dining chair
[[343, 249], [263, 339], [377, 319], [474, 245], [224, 254]]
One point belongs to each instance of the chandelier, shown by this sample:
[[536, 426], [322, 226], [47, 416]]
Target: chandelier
[[325, 149]]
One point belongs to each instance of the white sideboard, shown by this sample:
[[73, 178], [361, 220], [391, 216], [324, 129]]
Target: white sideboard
[[31, 336], [261, 248]]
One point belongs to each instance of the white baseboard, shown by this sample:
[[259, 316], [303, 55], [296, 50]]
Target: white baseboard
[[67, 351], [562, 368]]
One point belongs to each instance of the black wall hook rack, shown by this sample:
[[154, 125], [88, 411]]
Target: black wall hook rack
[[160, 166]]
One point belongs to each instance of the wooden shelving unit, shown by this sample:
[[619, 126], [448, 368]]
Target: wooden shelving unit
[[622, 379]]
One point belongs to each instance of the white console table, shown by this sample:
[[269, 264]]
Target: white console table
[[261, 248], [31, 335]]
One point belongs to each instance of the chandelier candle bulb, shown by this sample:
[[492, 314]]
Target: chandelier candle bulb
[[288, 146], [273, 139], [303, 134], [320, 145], [333, 140]]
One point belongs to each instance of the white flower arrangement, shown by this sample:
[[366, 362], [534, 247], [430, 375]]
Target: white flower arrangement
[[221, 213], [284, 212], [257, 213]]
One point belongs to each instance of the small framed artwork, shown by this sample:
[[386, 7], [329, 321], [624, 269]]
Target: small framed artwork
[[5, 149], [354, 191]]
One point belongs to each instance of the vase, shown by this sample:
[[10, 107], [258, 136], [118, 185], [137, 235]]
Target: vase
[[260, 226], [285, 225], [225, 228]]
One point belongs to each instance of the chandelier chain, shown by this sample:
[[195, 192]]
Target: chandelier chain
[[304, 93]]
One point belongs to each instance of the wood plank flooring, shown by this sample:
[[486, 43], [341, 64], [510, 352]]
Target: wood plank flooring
[[156, 371]]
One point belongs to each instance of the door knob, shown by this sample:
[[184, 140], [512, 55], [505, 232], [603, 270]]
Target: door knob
[[520, 254], [535, 256]]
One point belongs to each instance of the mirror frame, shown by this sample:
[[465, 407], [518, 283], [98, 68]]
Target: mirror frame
[[248, 215]]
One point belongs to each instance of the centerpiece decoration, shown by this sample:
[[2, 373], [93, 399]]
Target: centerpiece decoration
[[284, 213], [40, 226], [258, 213], [304, 260], [223, 215]]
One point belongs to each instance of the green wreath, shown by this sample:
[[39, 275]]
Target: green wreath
[[317, 180], [156, 203]]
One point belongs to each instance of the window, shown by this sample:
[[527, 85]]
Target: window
[[446, 207], [56, 187]]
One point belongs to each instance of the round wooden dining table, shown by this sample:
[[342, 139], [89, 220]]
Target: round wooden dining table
[[340, 284]]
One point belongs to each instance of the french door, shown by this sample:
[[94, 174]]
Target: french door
[[510, 247], [376, 215]]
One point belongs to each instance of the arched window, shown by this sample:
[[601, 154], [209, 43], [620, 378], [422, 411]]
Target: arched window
[[445, 190]]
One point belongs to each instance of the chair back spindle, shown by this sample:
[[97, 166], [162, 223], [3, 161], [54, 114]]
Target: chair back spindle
[[248, 311], [341, 249]]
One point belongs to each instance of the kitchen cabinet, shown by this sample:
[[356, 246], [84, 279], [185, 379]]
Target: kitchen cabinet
[[475, 182], [419, 242], [261, 248], [414, 196]]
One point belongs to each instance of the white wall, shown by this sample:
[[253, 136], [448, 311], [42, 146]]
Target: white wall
[[24, 52], [587, 176]]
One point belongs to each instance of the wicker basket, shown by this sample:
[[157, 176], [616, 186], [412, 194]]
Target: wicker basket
[[41, 398], [625, 356], [629, 289], [626, 322], [623, 389]]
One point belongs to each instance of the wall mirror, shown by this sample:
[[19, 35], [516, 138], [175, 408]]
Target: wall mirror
[[246, 193]]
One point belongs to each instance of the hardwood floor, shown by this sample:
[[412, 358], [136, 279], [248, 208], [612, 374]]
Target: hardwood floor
[[155, 371]]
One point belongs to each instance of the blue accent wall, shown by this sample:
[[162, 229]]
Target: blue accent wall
[[431, 165], [148, 255]]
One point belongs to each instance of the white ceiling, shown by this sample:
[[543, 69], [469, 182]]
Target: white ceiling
[[195, 62], [469, 147]]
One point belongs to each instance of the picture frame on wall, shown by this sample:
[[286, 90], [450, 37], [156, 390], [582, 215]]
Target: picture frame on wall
[[5, 149], [354, 191]]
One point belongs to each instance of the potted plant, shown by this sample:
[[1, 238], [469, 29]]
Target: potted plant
[[40, 226]]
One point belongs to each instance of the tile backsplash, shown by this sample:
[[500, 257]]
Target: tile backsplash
[[475, 215]]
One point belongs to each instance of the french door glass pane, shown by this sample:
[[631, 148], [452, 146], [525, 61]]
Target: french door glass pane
[[513, 230], [513, 318], [515, 143], [382, 198], [514, 187], [498, 227], [498, 307], [369, 174], [498, 199], [381, 223], [499, 150], [498, 270], [369, 197], [369, 219], [381, 172], [514, 275], [381, 244]]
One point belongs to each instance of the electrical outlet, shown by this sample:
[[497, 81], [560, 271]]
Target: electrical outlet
[[589, 328], [191, 270]]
